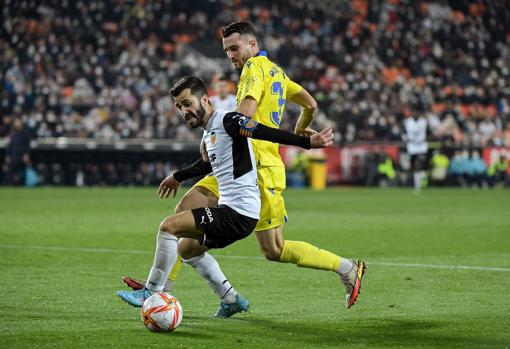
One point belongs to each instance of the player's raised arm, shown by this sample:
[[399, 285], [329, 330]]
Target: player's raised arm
[[300, 96], [248, 107], [239, 125]]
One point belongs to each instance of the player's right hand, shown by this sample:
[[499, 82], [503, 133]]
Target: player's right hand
[[322, 139], [168, 186]]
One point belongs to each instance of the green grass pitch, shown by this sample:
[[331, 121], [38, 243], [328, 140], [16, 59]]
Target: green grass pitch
[[438, 272]]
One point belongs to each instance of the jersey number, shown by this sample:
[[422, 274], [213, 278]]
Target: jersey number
[[277, 90]]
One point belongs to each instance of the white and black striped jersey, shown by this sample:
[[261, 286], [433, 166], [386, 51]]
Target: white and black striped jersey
[[416, 131], [233, 162]]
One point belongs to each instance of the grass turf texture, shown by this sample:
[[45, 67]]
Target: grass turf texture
[[60, 290]]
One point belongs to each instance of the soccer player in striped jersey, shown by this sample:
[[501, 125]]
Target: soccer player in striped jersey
[[232, 160]]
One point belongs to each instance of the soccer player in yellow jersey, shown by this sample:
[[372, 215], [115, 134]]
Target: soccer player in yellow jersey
[[263, 91]]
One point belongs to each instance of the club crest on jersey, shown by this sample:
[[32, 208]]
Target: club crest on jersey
[[212, 137], [248, 124]]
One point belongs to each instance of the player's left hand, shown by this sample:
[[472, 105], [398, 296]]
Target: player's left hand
[[306, 132], [168, 186], [322, 139]]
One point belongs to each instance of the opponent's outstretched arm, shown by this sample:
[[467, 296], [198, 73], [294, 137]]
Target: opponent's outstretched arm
[[237, 124]]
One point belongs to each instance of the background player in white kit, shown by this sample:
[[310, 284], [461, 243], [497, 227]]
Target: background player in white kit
[[232, 161], [417, 147], [224, 99]]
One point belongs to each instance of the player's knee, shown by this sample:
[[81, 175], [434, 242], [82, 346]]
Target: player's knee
[[272, 253], [188, 251], [169, 225]]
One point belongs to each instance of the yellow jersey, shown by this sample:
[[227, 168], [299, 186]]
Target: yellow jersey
[[268, 84]]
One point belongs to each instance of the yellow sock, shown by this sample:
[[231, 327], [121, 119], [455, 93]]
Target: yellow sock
[[175, 270], [308, 256]]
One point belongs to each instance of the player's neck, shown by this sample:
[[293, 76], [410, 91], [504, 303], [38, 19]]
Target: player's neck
[[208, 113]]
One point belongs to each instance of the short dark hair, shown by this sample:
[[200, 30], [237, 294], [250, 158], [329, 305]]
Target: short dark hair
[[197, 86], [238, 27]]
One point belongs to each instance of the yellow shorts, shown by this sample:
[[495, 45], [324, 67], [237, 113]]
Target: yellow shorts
[[271, 186]]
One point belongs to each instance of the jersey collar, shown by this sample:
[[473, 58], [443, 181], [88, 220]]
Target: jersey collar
[[261, 53], [209, 122]]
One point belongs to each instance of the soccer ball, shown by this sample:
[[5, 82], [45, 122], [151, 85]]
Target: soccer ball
[[161, 312]]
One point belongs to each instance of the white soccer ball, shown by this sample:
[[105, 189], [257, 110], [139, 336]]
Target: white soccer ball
[[161, 312]]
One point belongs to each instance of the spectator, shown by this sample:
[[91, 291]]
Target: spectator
[[102, 68], [17, 154], [498, 172], [224, 99], [439, 168], [458, 169], [476, 171]]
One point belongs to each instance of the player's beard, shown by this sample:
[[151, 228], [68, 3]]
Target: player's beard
[[241, 62], [195, 120]]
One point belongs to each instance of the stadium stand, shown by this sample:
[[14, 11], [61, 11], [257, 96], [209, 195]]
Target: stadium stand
[[102, 69]]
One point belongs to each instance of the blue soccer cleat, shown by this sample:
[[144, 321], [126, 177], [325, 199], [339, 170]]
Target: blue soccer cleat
[[227, 310], [134, 298]]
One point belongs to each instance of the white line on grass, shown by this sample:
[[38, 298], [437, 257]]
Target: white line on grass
[[110, 250]]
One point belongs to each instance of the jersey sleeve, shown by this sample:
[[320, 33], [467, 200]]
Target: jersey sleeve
[[239, 125], [198, 168], [253, 81], [292, 89]]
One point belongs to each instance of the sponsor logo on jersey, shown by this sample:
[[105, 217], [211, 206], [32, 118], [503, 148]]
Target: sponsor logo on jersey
[[209, 214]]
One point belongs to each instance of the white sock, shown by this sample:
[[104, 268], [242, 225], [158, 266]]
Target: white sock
[[417, 180], [164, 260], [423, 175], [345, 266], [210, 270]]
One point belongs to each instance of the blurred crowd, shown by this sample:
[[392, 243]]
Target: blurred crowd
[[103, 68]]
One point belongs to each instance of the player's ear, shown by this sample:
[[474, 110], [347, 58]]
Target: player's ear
[[205, 99]]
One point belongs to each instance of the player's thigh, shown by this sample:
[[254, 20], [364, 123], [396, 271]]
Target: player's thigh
[[189, 248], [181, 225], [222, 226], [197, 196], [271, 185]]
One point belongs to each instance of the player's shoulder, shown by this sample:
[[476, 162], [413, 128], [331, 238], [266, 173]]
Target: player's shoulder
[[235, 117], [255, 61]]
